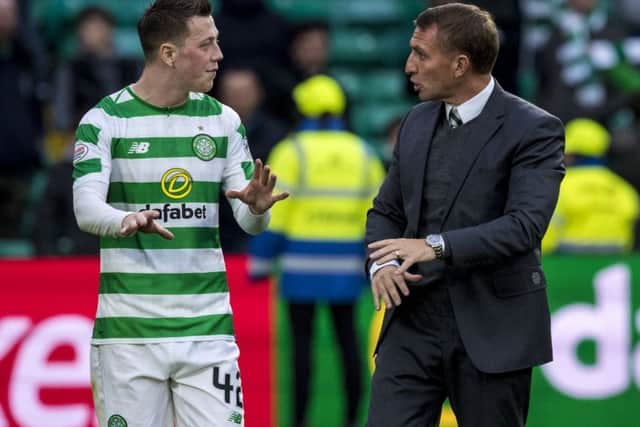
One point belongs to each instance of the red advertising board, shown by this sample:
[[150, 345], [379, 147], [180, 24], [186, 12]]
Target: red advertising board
[[46, 316]]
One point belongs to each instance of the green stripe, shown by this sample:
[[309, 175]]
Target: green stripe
[[136, 327], [88, 133], [137, 108], [184, 238], [85, 167], [162, 147], [242, 131], [247, 167], [150, 192], [163, 284]]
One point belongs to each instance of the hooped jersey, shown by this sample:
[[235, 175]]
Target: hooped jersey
[[175, 161]]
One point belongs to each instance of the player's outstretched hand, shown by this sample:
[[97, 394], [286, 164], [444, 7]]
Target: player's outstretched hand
[[258, 194], [144, 221]]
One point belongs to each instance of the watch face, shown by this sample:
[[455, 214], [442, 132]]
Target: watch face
[[433, 241]]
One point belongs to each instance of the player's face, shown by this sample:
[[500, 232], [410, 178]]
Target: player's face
[[430, 69], [199, 55]]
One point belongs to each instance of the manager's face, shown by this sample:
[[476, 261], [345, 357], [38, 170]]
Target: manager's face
[[430, 69]]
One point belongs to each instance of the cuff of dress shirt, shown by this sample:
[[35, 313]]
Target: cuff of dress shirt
[[375, 267]]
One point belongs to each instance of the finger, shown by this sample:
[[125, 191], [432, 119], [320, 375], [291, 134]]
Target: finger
[[401, 285], [380, 243], [392, 290], [151, 214], [382, 250], [380, 284], [232, 194], [257, 171], [382, 256], [406, 264], [124, 226], [280, 196], [376, 297], [141, 220], [412, 277], [386, 250], [163, 232], [272, 183], [125, 230], [385, 297], [264, 178]]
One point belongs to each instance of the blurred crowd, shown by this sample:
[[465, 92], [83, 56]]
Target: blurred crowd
[[578, 59]]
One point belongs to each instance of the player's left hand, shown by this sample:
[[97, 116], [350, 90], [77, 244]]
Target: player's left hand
[[258, 194], [406, 251]]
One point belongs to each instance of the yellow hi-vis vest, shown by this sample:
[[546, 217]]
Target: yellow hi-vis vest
[[596, 212], [318, 232]]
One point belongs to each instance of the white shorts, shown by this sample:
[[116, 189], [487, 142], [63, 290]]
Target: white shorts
[[181, 384]]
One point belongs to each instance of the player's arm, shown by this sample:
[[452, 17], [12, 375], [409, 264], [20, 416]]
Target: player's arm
[[91, 171], [248, 185]]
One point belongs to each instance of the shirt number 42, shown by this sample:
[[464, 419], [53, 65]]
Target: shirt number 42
[[227, 387]]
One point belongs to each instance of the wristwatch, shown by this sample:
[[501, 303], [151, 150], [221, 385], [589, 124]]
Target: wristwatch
[[437, 244]]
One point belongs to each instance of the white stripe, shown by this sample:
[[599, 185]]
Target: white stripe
[[151, 170], [576, 73], [161, 340], [172, 126], [210, 210], [95, 117], [324, 264], [603, 54], [631, 47], [120, 96], [161, 260], [160, 306]]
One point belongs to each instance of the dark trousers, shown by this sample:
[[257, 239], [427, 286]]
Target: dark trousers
[[342, 315], [421, 361]]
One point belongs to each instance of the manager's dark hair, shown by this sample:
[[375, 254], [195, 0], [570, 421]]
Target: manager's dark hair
[[466, 29], [166, 21]]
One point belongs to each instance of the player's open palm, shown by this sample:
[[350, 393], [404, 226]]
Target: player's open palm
[[258, 194], [144, 221]]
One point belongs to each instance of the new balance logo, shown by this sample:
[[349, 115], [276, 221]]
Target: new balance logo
[[139, 148]]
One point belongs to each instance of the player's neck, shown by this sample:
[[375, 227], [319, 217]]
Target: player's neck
[[159, 89]]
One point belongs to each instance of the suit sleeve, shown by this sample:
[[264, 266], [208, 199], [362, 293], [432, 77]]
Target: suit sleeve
[[537, 169], [386, 218]]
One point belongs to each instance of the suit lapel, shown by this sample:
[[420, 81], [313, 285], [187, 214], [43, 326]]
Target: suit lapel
[[418, 150], [489, 122]]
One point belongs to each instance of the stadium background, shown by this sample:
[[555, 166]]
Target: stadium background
[[46, 304]]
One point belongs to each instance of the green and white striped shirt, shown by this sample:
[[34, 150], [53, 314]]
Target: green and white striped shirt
[[131, 156]]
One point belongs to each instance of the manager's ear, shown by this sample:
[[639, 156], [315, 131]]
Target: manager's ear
[[461, 65], [168, 53]]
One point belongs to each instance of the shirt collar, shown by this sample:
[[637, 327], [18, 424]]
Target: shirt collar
[[471, 108]]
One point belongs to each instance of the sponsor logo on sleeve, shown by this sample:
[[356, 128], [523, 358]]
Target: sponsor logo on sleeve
[[80, 151]]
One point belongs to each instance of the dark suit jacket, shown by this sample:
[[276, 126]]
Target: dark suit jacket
[[504, 189]]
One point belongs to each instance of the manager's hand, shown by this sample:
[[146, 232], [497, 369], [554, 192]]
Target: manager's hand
[[387, 284], [143, 221], [407, 251]]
